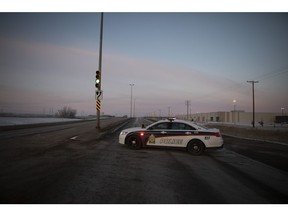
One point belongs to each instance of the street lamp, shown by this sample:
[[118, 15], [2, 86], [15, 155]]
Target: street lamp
[[234, 102], [131, 100]]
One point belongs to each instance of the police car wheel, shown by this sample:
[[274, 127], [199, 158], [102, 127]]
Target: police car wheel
[[195, 147], [134, 142]]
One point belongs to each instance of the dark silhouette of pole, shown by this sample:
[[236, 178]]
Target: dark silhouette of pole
[[100, 67], [253, 82], [131, 100], [234, 115], [187, 103]]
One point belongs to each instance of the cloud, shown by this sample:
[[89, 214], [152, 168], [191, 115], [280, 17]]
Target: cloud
[[164, 84], [45, 74], [53, 75]]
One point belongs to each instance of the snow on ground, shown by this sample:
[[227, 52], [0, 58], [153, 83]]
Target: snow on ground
[[6, 121]]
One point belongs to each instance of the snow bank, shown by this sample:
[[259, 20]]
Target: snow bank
[[6, 121]]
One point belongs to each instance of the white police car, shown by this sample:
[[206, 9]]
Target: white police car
[[173, 133]]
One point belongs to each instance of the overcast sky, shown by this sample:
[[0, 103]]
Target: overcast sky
[[48, 60]]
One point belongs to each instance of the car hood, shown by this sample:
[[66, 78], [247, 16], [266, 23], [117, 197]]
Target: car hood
[[133, 129]]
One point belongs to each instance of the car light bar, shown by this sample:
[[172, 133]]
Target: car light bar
[[171, 119]]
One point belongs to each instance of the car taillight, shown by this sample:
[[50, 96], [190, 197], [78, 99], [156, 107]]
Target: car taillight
[[217, 134], [142, 134]]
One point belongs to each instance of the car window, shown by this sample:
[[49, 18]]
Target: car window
[[181, 126], [160, 126]]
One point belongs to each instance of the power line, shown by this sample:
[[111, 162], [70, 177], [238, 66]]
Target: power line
[[240, 85], [272, 74]]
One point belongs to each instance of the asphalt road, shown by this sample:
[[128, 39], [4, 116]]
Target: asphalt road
[[77, 164]]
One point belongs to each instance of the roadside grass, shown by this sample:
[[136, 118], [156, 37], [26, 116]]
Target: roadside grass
[[272, 135]]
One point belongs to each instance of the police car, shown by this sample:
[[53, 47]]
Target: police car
[[173, 133]]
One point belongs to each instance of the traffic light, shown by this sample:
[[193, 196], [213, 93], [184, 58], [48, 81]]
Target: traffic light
[[98, 79]]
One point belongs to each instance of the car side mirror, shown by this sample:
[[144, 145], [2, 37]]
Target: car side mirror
[[143, 126]]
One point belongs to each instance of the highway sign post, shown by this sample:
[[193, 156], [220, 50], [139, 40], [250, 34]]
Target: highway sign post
[[98, 76]]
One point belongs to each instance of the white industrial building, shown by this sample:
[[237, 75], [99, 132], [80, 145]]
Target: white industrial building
[[233, 117]]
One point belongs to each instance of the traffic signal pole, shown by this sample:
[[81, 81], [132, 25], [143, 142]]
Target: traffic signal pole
[[100, 71]]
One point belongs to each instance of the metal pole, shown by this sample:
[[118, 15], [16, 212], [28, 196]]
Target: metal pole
[[100, 66], [131, 101], [253, 82], [234, 115], [187, 104], [253, 105], [134, 108]]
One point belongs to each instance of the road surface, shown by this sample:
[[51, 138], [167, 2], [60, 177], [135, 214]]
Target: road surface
[[77, 164]]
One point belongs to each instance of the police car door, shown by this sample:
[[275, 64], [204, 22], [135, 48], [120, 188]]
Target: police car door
[[157, 133], [180, 134]]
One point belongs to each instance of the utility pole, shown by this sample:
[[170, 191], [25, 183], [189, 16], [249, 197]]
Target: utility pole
[[253, 82], [187, 103], [134, 114], [98, 102], [234, 116], [131, 100]]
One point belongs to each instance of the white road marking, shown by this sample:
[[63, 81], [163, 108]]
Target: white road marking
[[74, 138]]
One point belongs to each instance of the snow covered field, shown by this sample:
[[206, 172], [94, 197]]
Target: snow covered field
[[5, 121]]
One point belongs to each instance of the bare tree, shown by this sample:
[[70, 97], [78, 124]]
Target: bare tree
[[66, 112]]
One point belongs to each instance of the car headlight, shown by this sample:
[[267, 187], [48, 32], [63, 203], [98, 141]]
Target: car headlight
[[123, 133]]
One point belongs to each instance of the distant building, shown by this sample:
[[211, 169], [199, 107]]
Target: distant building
[[233, 117]]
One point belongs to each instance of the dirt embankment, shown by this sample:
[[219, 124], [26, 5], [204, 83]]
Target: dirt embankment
[[265, 134]]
